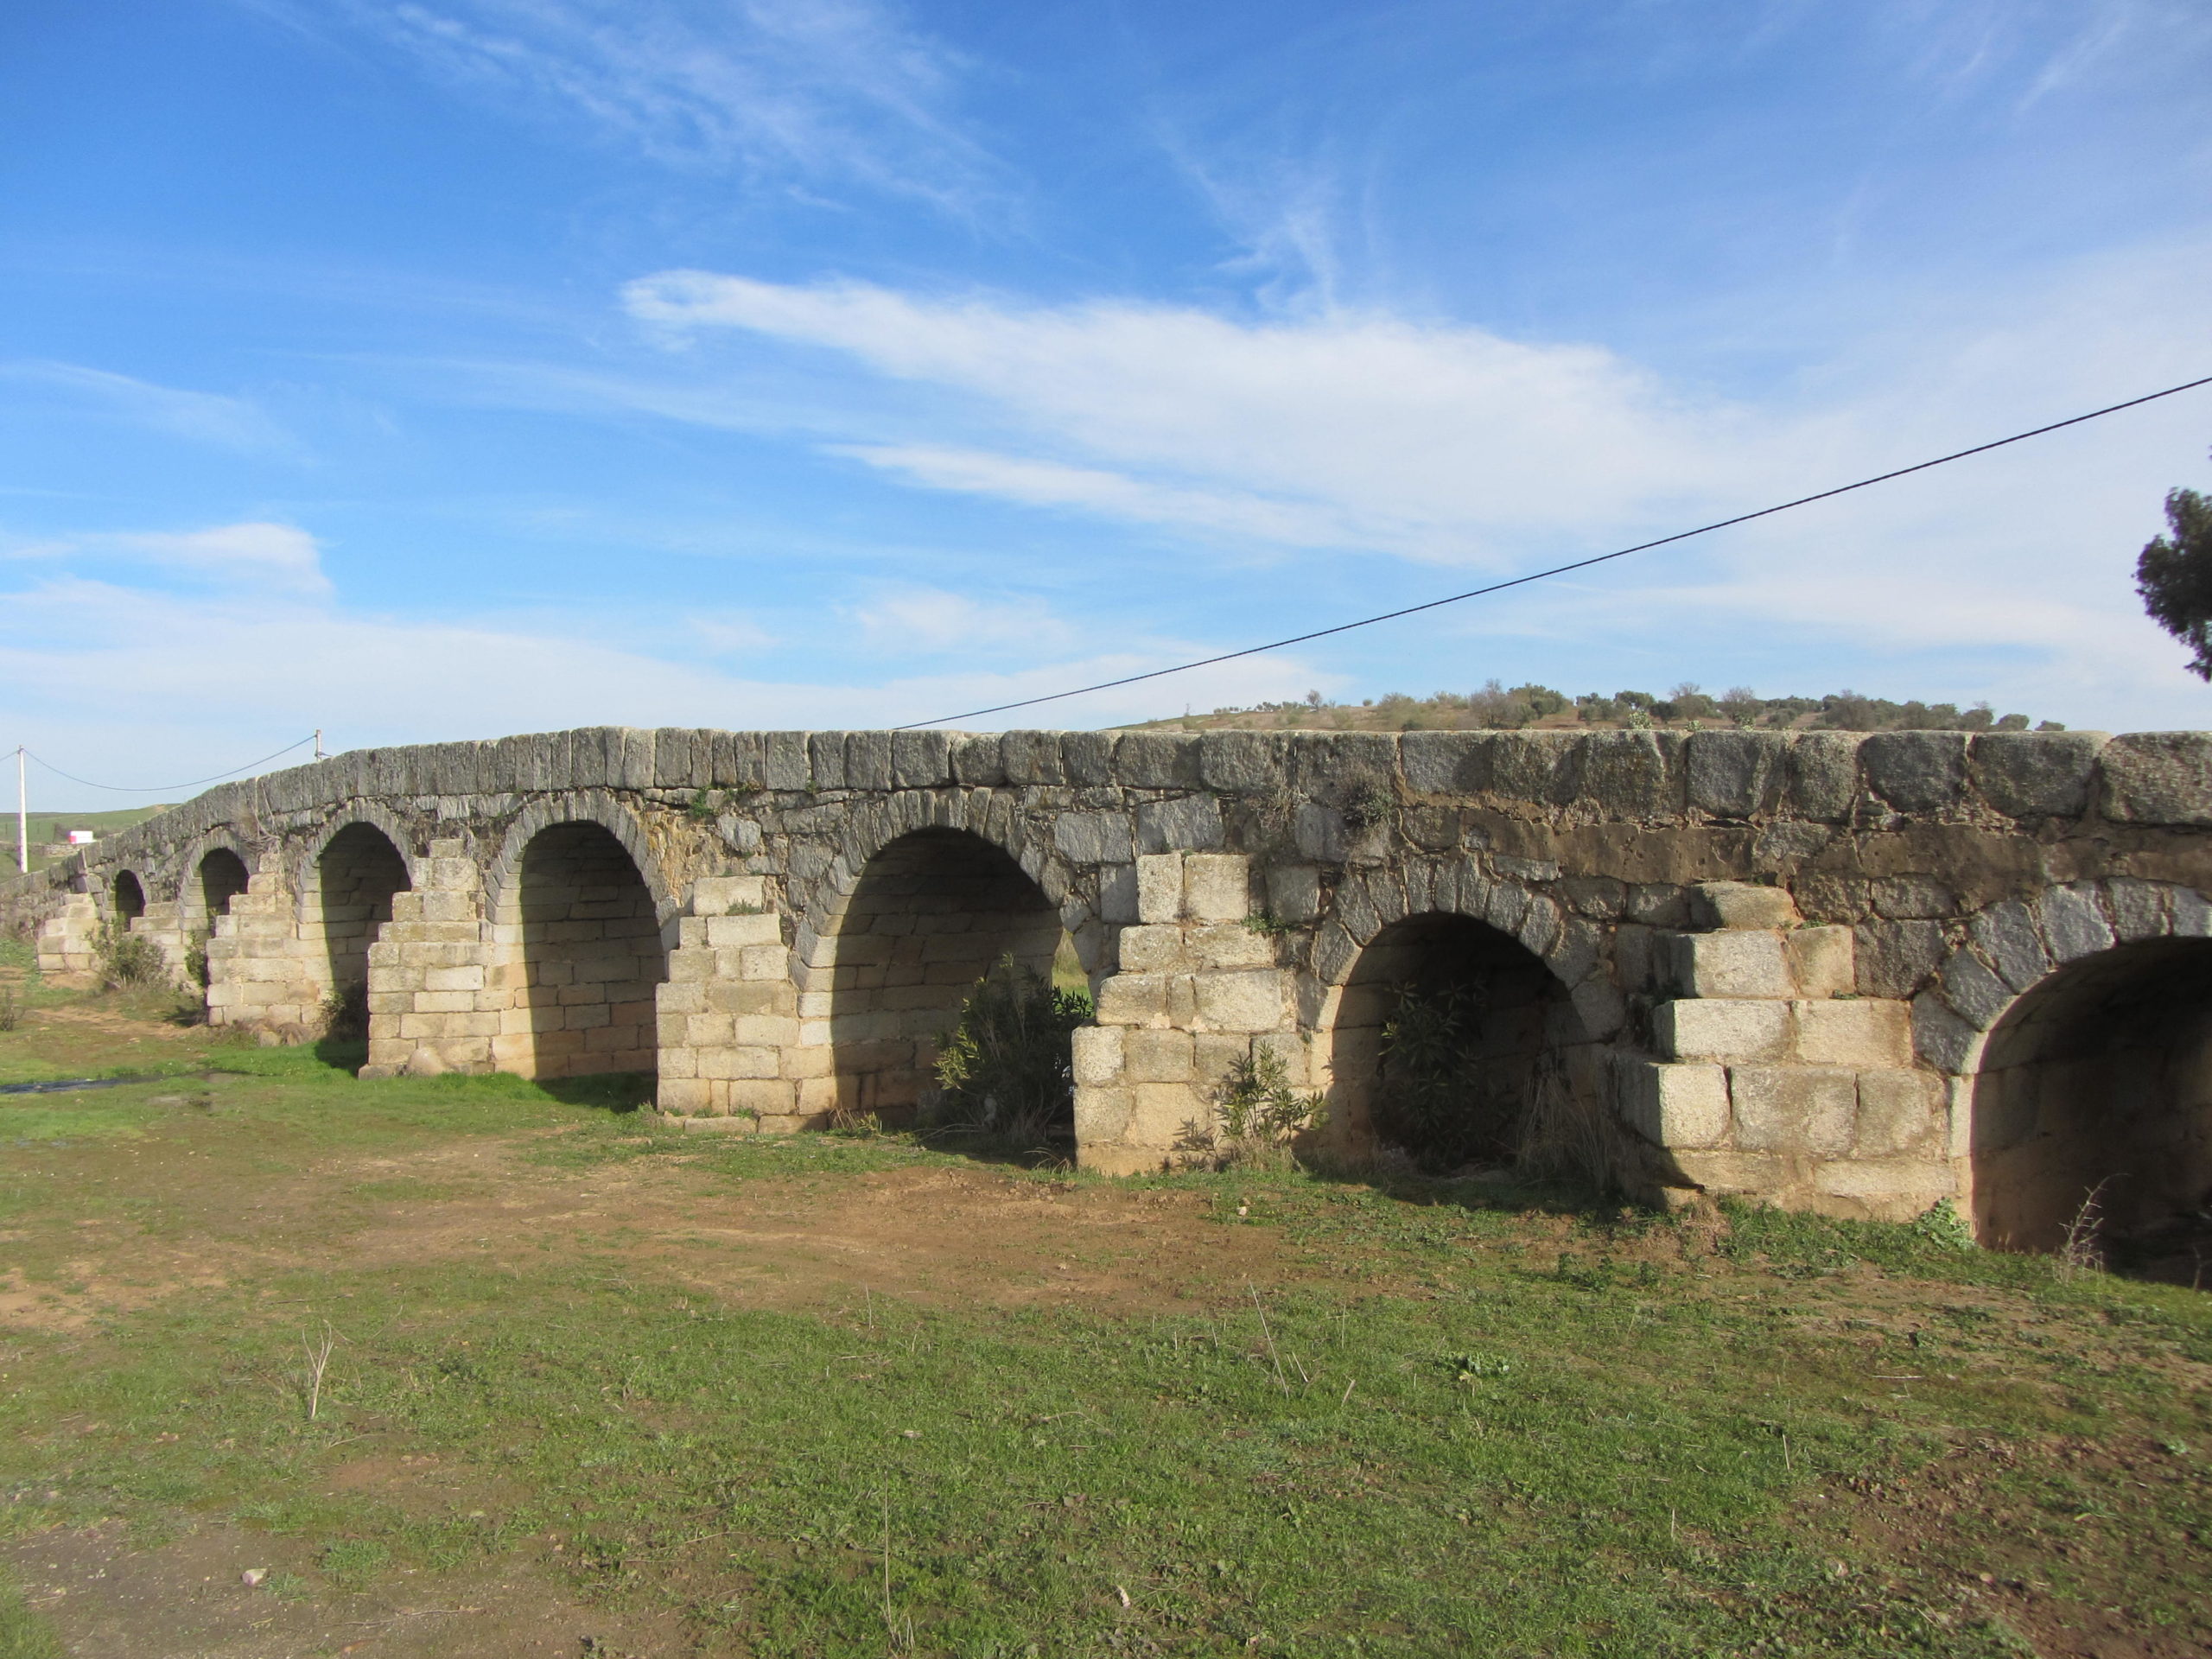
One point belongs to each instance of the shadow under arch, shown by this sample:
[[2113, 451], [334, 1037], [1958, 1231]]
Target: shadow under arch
[[220, 878], [929, 914], [2099, 1080], [1456, 1043], [128, 895], [358, 873], [585, 954]]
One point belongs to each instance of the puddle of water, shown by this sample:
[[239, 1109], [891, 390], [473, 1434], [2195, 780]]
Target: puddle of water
[[65, 1085]]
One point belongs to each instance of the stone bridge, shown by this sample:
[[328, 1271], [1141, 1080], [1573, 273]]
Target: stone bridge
[[1854, 973]]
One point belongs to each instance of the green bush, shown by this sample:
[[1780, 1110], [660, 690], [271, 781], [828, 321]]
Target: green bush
[[346, 1013], [128, 959], [1429, 1100], [1006, 1068]]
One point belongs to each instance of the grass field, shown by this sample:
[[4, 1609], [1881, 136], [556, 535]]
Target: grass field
[[458, 1367], [46, 827]]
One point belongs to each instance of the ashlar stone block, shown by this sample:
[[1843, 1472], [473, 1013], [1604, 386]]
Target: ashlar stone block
[[1230, 944], [1153, 950], [1096, 1053], [1160, 887], [1252, 1001], [1134, 1000], [1700, 1029], [719, 895], [1731, 965], [1794, 1109], [1742, 904], [1217, 887], [1823, 960], [1149, 1055], [1676, 1105], [1868, 1032], [1900, 1111]]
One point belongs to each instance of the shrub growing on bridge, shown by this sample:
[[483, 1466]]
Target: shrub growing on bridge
[[1006, 1068], [128, 959]]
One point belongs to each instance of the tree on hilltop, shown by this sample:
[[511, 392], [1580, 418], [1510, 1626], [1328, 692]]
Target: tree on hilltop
[[2174, 577]]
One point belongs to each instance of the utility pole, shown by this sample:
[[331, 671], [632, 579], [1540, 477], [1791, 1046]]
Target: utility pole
[[318, 755], [22, 816]]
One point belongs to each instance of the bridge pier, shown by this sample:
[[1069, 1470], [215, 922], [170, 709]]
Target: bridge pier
[[439, 997]]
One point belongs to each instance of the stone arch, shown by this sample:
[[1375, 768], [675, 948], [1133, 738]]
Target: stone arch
[[183, 863], [126, 897], [217, 871], [902, 942], [1491, 1048], [2091, 1070], [588, 807], [989, 815], [580, 942], [345, 898], [306, 867]]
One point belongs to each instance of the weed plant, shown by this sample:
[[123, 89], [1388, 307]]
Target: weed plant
[[1257, 1117]]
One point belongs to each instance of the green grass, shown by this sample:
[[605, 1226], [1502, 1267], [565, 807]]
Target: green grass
[[23, 1634], [1467, 1422]]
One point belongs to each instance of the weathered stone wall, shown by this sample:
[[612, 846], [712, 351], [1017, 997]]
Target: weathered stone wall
[[1783, 953]]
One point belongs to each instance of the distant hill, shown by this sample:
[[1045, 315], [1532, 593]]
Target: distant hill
[[1689, 707], [46, 827]]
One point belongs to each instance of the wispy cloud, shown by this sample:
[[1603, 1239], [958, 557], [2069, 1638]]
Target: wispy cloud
[[727, 634], [1349, 428], [280, 556], [821, 90], [95, 666], [929, 622], [1441, 442], [268, 558], [202, 416]]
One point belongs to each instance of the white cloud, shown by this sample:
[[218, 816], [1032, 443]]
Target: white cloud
[[729, 632], [125, 683], [911, 621], [262, 555], [1351, 429], [1052, 484], [835, 90], [202, 416], [270, 557]]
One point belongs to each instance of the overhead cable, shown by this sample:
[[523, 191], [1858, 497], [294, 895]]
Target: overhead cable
[[1562, 569], [163, 789]]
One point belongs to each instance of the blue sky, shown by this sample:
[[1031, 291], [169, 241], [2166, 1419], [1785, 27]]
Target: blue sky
[[434, 369]]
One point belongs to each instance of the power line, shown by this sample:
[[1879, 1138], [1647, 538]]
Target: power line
[[163, 789], [1562, 569]]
